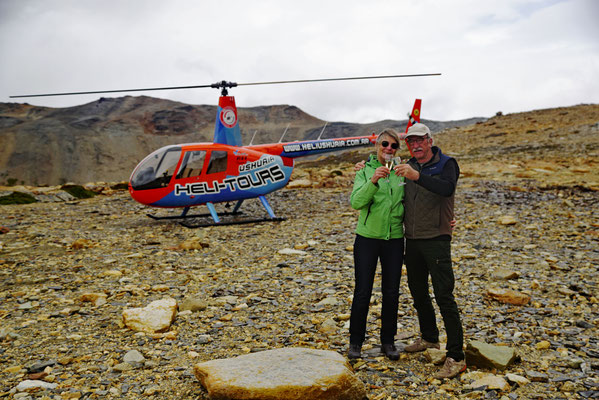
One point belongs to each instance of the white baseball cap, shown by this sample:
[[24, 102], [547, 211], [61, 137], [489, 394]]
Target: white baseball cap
[[418, 129]]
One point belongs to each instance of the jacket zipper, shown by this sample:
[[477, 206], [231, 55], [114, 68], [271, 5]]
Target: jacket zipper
[[368, 213]]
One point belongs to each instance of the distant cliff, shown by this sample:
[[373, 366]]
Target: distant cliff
[[104, 140]]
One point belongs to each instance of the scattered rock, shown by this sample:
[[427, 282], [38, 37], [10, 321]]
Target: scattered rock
[[514, 378], [505, 274], [294, 252], [486, 355], [29, 384], [156, 317], [192, 304], [299, 183], [508, 296], [435, 356], [490, 382], [97, 299], [507, 220], [535, 376]]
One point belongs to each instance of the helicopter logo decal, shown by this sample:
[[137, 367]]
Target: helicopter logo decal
[[228, 117]]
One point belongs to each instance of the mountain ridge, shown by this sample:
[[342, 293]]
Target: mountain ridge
[[105, 139]]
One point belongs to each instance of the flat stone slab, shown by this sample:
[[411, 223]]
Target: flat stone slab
[[287, 373]]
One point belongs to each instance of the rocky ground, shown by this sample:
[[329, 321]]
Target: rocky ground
[[526, 203]]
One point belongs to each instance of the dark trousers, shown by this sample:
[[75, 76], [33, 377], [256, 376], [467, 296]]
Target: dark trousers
[[433, 257], [366, 254]]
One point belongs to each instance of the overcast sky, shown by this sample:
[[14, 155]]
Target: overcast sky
[[508, 55]]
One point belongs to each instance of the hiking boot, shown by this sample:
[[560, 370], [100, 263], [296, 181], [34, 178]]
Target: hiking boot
[[390, 351], [450, 369], [420, 345], [355, 351]]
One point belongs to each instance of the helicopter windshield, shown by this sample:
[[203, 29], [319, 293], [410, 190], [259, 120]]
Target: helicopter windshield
[[157, 169]]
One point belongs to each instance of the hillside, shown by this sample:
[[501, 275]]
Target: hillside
[[549, 148], [105, 139], [527, 212]]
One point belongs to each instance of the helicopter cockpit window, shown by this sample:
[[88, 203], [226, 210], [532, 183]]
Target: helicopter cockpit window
[[218, 162], [156, 170], [192, 164]]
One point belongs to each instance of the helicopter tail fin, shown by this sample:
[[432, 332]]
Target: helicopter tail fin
[[226, 128], [414, 115], [414, 118]]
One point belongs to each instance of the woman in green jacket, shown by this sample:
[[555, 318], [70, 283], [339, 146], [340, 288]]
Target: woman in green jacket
[[379, 235]]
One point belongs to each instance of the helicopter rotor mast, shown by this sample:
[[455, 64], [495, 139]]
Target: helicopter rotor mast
[[223, 85]]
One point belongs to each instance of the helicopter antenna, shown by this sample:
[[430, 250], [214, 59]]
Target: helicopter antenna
[[284, 132], [253, 136], [224, 85], [322, 131]]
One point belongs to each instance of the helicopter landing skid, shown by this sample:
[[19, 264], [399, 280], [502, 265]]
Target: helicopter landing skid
[[184, 216], [217, 221], [216, 217], [222, 223]]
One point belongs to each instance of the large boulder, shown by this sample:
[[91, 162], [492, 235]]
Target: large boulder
[[287, 373]]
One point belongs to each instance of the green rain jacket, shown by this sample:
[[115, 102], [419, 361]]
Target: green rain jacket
[[380, 205]]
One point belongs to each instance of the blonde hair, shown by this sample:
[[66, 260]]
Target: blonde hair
[[392, 133]]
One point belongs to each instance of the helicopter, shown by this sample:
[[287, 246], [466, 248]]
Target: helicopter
[[193, 174]]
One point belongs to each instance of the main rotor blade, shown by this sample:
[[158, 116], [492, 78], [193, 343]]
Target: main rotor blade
[[338, 79], [224, 84], [112, 91]]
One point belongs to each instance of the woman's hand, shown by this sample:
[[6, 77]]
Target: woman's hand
[[359, 166], [380, 172]]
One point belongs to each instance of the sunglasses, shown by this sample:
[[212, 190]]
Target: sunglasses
[[394, 145]]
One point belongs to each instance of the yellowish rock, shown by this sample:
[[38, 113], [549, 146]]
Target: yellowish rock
[[543, 345], [507, 220], [112, 273], [300, 183], [156, 317], [81, 244], [97, 298], [12, 370], [508, 296]]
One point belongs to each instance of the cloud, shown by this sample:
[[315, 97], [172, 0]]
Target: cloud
[[514, 55]]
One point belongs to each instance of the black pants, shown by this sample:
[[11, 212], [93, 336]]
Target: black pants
[[424, 257], [366, 254]]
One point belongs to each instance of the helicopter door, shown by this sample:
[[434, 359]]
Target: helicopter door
[[192, 164], [218, 162]]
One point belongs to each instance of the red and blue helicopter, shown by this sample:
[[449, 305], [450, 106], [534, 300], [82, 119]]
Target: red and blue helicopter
[[193, 174]]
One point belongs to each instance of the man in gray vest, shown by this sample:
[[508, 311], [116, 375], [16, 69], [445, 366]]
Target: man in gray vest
[[431, 179]]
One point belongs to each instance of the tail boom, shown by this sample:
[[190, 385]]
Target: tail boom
[[311, 147]]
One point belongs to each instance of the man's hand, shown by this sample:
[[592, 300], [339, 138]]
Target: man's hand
[[407, 171], [359, 166]]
